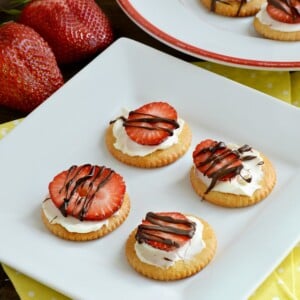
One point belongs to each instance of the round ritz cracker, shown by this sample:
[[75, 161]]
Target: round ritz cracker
[[278, 20], [267, 184], [180, 269], [268, 32], [150, 125], [233, 8], [91, 194], [113, 223], [157, 159]]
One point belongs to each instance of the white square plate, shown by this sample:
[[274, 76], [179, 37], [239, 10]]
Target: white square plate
[[69, 129]]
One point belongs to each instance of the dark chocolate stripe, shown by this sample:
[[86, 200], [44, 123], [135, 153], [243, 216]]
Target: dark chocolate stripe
[[213, 159], [214, 3], [148, 119], [75, 181], [160, 224]]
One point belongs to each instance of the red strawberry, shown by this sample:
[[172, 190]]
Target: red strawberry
[[75, 30], [28, 70], [152, 123], [166, 230], [284, 11], [216, 161], [87, 192]]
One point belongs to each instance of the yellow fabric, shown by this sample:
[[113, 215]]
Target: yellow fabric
[[283, 85], [295, 90], [284, 282], [7, 127]]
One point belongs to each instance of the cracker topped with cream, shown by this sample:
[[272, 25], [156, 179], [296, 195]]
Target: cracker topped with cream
[[170, 246], [279, 20], [231, 175], [150, 136], [85, 202]]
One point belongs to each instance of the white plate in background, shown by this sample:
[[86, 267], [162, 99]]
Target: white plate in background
[[69, 129], [189, 27]]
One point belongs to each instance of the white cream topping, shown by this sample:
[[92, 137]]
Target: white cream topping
[[265, 18], [128, 146], [70, 223], [238, 185], [165, 259]]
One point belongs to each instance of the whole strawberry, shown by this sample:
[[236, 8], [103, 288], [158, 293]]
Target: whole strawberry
[[75, 30], [28, 69]]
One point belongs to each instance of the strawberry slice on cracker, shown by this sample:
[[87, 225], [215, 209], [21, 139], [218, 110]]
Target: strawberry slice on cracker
[[284, 11], [165, 231], [88, 192], [151, 124], [216, 161]]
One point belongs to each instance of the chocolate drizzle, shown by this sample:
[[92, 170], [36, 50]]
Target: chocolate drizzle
[[218, 152], [290, 7], [160, 224], [150, 120], [214, 2], [83, 187]]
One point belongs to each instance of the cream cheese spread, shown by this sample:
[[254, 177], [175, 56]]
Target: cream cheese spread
[[165, 259], [70, 223]]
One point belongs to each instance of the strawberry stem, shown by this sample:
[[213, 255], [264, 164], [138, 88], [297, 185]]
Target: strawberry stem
[[13, 7], [12, 11]]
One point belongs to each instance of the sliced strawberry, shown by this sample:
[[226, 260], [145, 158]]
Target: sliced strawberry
[[284, 11], [152, 123], [216, 161], [87, 192], [165, 231]]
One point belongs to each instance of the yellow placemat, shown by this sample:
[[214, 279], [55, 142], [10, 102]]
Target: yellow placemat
[[284, 282]]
